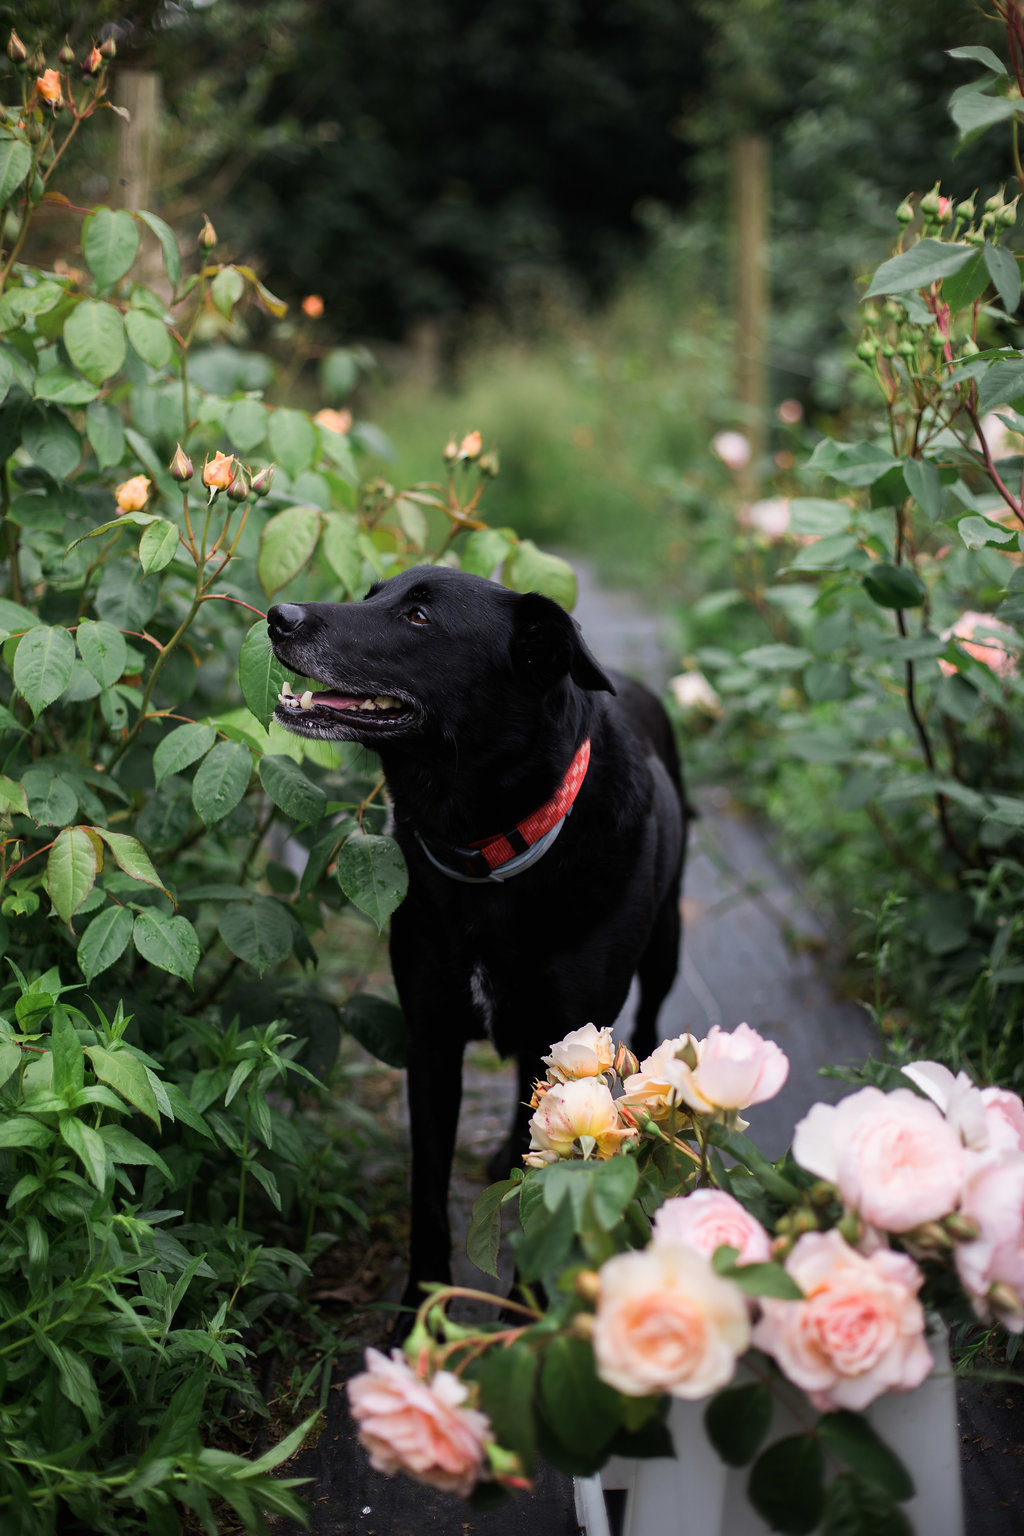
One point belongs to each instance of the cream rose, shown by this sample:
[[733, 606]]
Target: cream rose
[[892, 1156], [586, 1052], [858, 1332], [652, 1089], [994, 1201], [733, 1069], [709, 1219], [578, 1117], [420, 1427], [665, 1322]]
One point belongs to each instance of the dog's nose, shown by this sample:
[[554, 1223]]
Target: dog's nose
[[284, 619]]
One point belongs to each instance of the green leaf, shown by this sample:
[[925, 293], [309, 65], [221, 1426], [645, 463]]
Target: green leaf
[[529, 569], [15, 164], [150, 337], [24, 1131], [926, 262], [894, 586], [260, 674], [583, 1409], [257, 931], [1005, 274], [379, 1026], [854, 1508], [182, 747], [372, 873], [226, 290], [506, 1379], [973, 110], [825, 680], [963, 287], [787, 1485], [245, 422], [221, 781], [737, 1420], [483, 1238], [43, 664], [123, 1071], [815, 515], [925, 485], [123, 1147], [52, 802], [168, 245], [76, 1382], [484, 550], [852, 463], [169, 943], [984, 56], [71, 866], [762, 1280], [131, 856], [286, 543], [288, 787], [86, 1144], [776, 658], [105, 431], [51, 441], [977, 532], [65, 387], [110, 242], [158, 545], [850, 1437], [343, 550], [104, 940], [1001, 384], [293, 441], [103, 649], [95, 339]]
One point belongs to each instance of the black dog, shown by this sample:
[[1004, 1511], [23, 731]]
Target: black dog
[[492, 719]]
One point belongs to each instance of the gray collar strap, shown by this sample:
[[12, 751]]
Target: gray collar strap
[[514, 866]]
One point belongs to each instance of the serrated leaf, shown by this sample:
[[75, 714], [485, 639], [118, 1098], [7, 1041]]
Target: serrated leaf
[[737, 1420], [293, 441], [854, 1508], [484, 550], [158, 545], [343, 550], [71, 867], [260, 673], [131, 856], [180, 748], [372, 873], [110, 243], [974, 110], [43, 665], [150, 337], [286, 543], [507, 1378], [169, 943], [127, 1075], [103, 649], [289, 788], [926, 262], [258, 931], [1002, 383], [221, 781], [95, 339], [104, 940], [483, 1238]]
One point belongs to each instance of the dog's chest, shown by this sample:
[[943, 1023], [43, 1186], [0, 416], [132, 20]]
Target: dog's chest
[[481, 994]]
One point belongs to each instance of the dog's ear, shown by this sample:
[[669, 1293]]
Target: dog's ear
[[548, 645]]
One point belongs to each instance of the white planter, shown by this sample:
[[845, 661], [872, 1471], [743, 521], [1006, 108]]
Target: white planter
[[695, 1494]]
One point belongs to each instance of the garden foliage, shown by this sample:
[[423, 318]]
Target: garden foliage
[[167, 854]]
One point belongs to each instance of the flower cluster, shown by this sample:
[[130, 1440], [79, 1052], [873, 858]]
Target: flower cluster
[[817, 1269]]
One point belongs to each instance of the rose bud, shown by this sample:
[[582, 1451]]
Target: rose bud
[[181, 467], [260, 484], [93, 62], [16, 50], [207, 235], [219, 471], [588, 1285], [625, 1063], [451, 451], [132, 495], [66, 56], [238, 490], [108, 48], [313, 306], [471, 445], [48, 88], [489, 464]]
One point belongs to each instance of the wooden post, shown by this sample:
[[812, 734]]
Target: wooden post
[[750, 180], [138, 91]]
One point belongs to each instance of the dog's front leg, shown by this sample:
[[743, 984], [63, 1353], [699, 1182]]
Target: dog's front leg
[[435, 1093]]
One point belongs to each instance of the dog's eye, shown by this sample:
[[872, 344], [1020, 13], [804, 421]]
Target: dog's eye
[[418, 616]]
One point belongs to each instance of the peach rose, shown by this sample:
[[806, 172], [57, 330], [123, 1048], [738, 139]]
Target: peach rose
[[706, 1220], [577, 1118], [733, 1069], [132, 495], [471, 446], [984, 638], [652, 1090], [892, 1156], [219, 471], [665, 1322], [858, 1332], [48, 88], [586, 1052], [420, 1427], [334, 421], [994, 1201], [313, 306]]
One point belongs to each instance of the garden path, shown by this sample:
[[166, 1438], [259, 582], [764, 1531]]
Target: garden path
[[754, 950]]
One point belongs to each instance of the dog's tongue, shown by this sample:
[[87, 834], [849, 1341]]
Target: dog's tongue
[[337, 700]]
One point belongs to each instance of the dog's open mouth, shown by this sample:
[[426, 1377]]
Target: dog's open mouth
[[330, 712]]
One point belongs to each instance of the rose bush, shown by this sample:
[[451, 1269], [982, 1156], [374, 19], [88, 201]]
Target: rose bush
[[670, 1250]]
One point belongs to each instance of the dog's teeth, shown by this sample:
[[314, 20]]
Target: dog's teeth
[[286, 690], [306, 699], [368, 704], [383, 702]]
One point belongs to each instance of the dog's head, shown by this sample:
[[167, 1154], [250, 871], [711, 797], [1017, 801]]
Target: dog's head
[[423, 650]]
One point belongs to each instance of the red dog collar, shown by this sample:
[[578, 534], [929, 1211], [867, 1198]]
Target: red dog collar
[[493, 858]]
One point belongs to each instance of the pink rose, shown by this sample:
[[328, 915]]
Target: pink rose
[[586, 1052], [651, 1090], [666, 1322], [858, 1332], [989, 1121], [708, 1219], [892, 1156], [994, 1201], [420, 1427], [579, 1117], [733, 1069]]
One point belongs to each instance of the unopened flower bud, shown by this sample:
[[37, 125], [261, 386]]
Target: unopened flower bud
[[238, 490], [108, 48], [207, 235], [907, 348], [969, 347], [93, 62], [931, 1234], [260, 483], [1006, 218], [583, 1326], [851, 1228], [867, 349], [905, 211], [625, 1062], [488, 464], [1004, 1297], [994, 203], [37, 63], [471, 445], [822, 1193], [219, 471], [687, 1054], [66, 55], [587, 1285], [16, 50], [181, 467], [451, 451], [960, 1227], [965, 210]]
